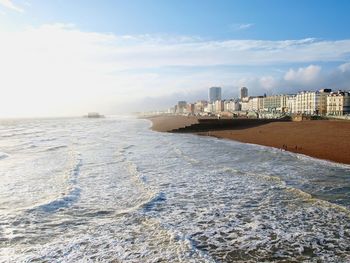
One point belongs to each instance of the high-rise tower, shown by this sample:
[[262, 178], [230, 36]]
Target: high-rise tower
[[243, 92], [214, 94]]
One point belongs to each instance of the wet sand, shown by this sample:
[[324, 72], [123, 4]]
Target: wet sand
[[169, 123], [322, 139]]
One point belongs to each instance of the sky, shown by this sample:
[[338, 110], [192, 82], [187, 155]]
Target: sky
[[67, 58]]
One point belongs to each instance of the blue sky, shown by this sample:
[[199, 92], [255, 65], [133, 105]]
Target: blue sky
[[266, 20], [153, 53]]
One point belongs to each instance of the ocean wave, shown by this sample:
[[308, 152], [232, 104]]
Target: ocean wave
[[152, 197], [321, 161], [128, 147], [292, 190], [121, 152], [271, 178], [94, 164], [181, 154], [3, 155], [145, 206], [148, 198], [183, 241], [124, 149], [54, 148], [48, 139], [24, 134], [69, 197], [291, 183], [130, 239], [133, 170], [60, 203], [154, 201], [298, 156]]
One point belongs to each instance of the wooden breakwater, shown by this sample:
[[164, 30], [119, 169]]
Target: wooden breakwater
[[205, 125]]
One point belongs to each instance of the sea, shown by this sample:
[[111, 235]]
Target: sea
[[112, 190]]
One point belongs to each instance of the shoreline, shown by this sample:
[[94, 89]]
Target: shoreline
[[322, 139]]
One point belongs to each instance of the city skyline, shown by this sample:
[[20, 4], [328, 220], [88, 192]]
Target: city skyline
[[323, 102], [61, 59]]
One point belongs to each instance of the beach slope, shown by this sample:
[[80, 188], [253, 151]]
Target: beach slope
[[324, 139]]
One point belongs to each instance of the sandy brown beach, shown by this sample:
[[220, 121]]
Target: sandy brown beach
[[322, 139]]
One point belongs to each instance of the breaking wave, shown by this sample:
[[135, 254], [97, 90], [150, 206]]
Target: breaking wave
[[71, 195]]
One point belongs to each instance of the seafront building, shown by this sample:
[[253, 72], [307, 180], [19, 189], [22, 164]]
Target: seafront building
[[200, 105], [251, 104], [219, 106], [256, 103], [291, 104], [209, 108], [312, 102], [181, 107], [214, 94], [338, 103], [321, 102], [276, 103], [231, 105], [190, 108], [245, 104], [243, 93]]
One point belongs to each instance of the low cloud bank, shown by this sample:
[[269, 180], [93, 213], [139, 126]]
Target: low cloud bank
[[60, 70]]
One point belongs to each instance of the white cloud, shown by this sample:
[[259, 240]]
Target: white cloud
[[309, 74], [231, 52], [9, 4], [238, 27], [312, 77], [60, 70], [267, 82], [245, 26], [344, 67]]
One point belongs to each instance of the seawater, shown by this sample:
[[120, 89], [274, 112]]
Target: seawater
[[111, 190]]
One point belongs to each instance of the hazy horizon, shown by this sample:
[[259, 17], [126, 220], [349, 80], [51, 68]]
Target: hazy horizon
[[67, 59]]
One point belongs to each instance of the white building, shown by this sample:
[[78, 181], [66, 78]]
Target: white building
[[275, 103], [200, 105], [231, 105], [245, 104], [338, 103], [256, 103], [291, 104], [219, 106], [210, 107], [312, 102]]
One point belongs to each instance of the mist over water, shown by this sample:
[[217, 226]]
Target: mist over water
[[112, 190]]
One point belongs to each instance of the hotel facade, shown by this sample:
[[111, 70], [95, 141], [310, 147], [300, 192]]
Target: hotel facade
[[312, 102], [338, 103], [276, 103]]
